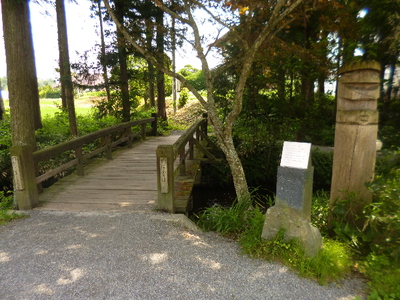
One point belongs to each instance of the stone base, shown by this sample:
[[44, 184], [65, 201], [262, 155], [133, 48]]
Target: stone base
[[296, 227]]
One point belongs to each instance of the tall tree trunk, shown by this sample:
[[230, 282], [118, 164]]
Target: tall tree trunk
[[123, 68], [162, 112], [103, 54], [20, 74], [152, 78], [150, 67], [19, 56], [65, 68], [33, 82]]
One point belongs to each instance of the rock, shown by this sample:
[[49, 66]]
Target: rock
[[296, 227]]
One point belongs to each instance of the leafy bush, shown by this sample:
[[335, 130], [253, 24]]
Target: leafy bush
[[383, 214], [6, 183], [229, 221], [383, 275], [113, 107], [375, 234], [183, 97], [244, 221], [49, 92], [389, 131], [322, 162]]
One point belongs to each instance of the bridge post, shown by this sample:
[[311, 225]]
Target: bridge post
[[128, 132], [143, 131], [205, 124], [154, 124], [79, 166], [107, 142], [165, 178], [25, 187]]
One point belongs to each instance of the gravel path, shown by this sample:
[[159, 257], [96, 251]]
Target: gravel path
[[133, 255]]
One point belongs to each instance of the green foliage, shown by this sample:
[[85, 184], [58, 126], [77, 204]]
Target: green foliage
[[6, 183], [389, 128], [195, 77], [349, 227], [383, 275], [320, 211], [183, 97], [322, 161], [48, 91], [96, 94], [383, 214], [231, 221], [387, 160], [375, 234], [331, 263], [113, 107], [6, 204], [56, 130], [244, 221]]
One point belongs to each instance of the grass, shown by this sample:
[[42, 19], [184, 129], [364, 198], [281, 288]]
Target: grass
[[51, 106], [6, 206], [244, 222]]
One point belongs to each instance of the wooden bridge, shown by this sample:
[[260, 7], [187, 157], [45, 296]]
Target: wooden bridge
[[157, 172]]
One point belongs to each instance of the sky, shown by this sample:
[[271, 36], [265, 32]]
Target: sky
[[82, 36], [81, 31]]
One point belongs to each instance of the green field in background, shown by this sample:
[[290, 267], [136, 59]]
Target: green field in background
[[50, 107]]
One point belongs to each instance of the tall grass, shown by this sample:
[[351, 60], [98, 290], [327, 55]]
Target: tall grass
[[244, 222]]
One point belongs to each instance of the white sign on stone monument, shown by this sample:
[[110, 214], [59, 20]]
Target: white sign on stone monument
[[295, 155]]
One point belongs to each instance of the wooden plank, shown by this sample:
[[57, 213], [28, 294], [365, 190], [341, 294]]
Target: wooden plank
[[127, 181]]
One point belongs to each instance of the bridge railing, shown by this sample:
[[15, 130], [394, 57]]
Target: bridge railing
[[107, 145], [172, 162]]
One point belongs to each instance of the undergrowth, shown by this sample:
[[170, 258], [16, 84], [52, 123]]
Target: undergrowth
[[244, 222], [372, 250], [6, 206]]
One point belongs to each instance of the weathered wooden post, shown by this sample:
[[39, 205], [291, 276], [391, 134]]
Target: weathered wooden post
[[356, 131], [25, 188], [165, 178], [154, 124]]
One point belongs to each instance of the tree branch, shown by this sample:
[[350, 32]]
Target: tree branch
[[151, 58]]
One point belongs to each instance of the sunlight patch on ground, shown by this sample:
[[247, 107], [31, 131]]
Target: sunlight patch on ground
[[4, 257], [157, 258], [44, 290], [73, 276], [210, 263]]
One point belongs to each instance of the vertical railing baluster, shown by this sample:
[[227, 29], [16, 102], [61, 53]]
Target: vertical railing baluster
[[107, 142], [128, 132], [182, 158], [143, 131]]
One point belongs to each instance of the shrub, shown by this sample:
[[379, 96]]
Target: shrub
[[6, 183], [244, 221], [49, 92], [183, 97], [383, 275], [322, 162]]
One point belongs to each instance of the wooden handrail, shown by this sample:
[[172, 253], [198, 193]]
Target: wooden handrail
[[77, 144], [166, 157]]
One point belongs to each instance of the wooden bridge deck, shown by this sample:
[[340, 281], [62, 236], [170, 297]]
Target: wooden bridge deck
[[126, 182]]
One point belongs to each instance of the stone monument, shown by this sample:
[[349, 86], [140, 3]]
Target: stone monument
[[292, 209]]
